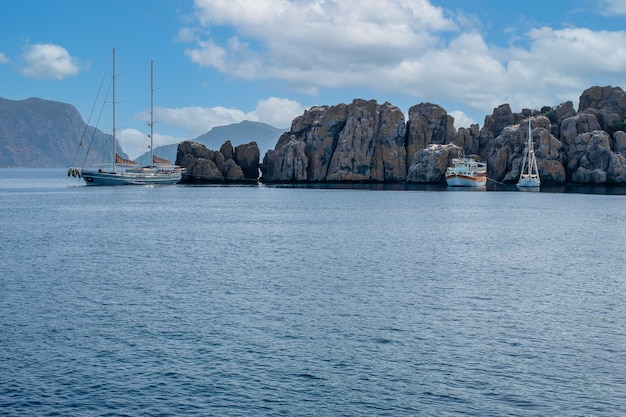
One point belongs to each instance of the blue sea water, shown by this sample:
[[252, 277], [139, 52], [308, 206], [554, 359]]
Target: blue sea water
[[259, 300]]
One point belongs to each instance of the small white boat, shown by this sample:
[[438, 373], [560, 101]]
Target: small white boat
[[124, 171], [466, 172], [529, 175]]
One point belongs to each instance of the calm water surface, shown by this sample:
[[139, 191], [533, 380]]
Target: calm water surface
[[233, 301]]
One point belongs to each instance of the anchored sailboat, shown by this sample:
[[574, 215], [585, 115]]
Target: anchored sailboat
[[126, 172], [529, 176]]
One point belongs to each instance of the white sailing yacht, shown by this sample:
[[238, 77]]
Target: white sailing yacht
[[529, 176], [126, 172]]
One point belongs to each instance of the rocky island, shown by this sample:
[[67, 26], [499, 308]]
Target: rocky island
[[365, 141], [230, 164]]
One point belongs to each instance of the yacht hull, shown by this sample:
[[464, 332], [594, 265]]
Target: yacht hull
[[529, 182], [126, 178]]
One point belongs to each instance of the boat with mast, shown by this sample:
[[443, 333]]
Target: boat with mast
[[125, 171], [529, 175]]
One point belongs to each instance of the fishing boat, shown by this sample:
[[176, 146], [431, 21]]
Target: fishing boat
[[529, 175], [466, 172], [123, 171]]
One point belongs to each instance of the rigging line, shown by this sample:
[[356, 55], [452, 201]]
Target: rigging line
[[501, 183], [93, 107], [95, 130]]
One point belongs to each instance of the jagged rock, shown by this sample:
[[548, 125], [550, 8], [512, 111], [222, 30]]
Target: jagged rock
[[619, 142], [549, 152], [227, 150], [505, 160], [564, 111], [362, 141], [588, 176], [429, 165], [468, 139], [204, 165], [428, 123], [320, 128], [591, 160], [608, 104], [232, 171], [287, 163], [371, 145], [198, 161], [247, 157], [558, 114], [551, 171], [501, 117], [576, 125], [603, 98], [616, 172]]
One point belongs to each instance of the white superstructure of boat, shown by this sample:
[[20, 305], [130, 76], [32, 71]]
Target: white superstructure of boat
[[466, 172]]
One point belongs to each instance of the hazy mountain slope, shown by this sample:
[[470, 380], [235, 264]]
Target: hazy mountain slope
[[43, 133], [264, 135]]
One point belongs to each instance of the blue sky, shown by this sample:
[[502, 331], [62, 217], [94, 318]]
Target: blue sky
[[223, 61]]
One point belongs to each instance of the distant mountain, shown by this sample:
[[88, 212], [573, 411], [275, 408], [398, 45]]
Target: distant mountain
[[264, 135], [38, 133]]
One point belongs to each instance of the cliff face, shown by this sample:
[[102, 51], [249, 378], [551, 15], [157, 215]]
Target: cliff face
[[362, 141], [36, 133], [366, 141]]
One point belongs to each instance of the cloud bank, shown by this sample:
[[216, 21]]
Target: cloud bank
[[196, 121], [399, 46], [277, 112]]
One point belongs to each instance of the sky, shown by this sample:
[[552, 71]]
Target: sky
[[218, 62]]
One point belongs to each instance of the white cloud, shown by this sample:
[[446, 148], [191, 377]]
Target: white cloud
[[3, 59], [612, 7], [196, 121], [461, 119], [590, 53], [208, 54], [277, 112], [407, 47], [199, 120], [135, 143], [48, 61], [300, 39]]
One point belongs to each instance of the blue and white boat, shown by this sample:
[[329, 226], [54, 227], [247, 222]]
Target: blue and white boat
[[466, 172]]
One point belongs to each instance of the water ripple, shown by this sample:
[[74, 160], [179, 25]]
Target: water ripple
[[319, 302]]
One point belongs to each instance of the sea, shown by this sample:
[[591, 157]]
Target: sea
[[309, 301]]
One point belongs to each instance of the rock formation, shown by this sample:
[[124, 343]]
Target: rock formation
[[361, 141], [504, 161], [202, 165], [365, 141], [429, 165]]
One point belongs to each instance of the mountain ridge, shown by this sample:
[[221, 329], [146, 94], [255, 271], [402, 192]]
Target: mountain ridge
[[240, 133], [41, 133]]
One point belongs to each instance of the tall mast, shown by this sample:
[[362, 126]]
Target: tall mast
[[114, 139], [151, 113]]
